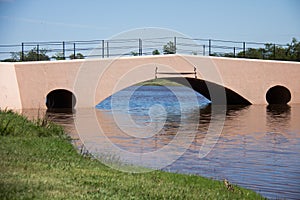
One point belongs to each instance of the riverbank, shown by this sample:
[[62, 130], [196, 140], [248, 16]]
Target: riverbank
[[38, 161]]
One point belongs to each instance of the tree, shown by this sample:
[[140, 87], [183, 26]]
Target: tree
[[280, 54], [230, 55], [9, 60], [194, 53], [134, 53], [155, 52], [270, 51], [32, 55], [169, 48], [253, 53], [293, 50], [289, 52], [77, 56], [59, 56]]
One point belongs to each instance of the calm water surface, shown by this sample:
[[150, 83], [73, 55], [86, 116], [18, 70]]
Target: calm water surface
[[258, 147]]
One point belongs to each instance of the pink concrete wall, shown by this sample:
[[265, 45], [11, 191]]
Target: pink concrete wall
[[26, 84], [37, 79], [253, 78], [9, 88]]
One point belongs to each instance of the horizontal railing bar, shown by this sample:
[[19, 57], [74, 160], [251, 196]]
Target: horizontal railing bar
[[141, 46], [183, 73]]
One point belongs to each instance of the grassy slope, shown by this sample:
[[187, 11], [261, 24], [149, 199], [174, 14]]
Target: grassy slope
[[160, 81], [47, 166]]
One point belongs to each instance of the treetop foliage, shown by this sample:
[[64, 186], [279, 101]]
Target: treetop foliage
[[290, 52]]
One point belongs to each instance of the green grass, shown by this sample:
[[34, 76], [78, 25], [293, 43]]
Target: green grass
[[37, 161], [159, 82], [17, 125]]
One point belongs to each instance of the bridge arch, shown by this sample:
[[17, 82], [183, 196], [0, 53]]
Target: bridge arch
[[278, 95], [60, 99], [205, 88]]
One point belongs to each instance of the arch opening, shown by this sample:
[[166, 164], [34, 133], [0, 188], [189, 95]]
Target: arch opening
[[202, 87], [205, 87], [60, 99], [278, 95]]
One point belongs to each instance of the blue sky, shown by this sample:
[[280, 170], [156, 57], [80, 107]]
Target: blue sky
[[57, 20]]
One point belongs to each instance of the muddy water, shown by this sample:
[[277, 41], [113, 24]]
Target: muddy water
[[258, 146]]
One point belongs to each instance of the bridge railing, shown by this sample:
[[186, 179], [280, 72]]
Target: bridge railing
[[28, 51]]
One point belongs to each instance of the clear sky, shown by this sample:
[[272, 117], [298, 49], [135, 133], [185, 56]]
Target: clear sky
[[57, 20]]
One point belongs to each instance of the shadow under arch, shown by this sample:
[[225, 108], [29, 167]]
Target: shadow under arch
[[204, 87], [278, 95], [60, 99]]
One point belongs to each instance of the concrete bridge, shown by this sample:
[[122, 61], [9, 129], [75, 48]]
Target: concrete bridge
[[85, 83]]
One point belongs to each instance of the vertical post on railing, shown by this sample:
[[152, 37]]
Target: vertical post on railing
[[140, 47], [103, 48], [204, 50], [209, 47], [37, 52], [74, 50], [175, 45], [274, 49], [22, 52], [64, 51], [107, 49], [244, 49], [234, 52]]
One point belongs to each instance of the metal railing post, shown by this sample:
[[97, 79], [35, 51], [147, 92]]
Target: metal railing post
[[175, 45], [274, 49], [209, 47], [37, 52], [103, 48], [22, 52], [74, 50], [140, 47], [234, 52], [244, 49], [107, 49], [64, 49]]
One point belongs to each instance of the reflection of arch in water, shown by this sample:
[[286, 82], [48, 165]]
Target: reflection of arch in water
[[231, 112], [278, 116], [278, 110]]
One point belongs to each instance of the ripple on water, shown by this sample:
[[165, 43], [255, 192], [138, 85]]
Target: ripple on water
[[259, 147]]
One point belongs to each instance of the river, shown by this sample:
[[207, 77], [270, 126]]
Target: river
[[256, 147]]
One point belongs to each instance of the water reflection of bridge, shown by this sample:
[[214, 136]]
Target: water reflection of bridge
[[240, 120]]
